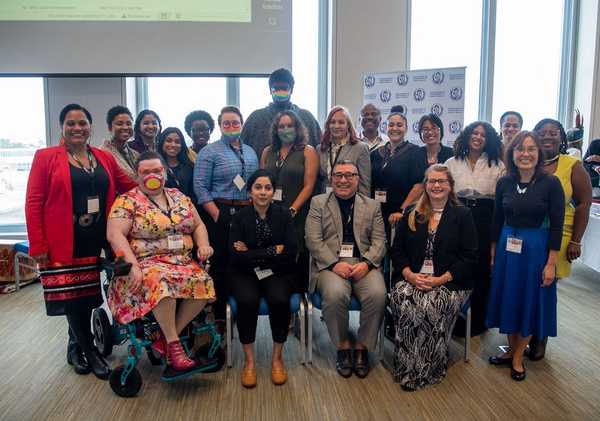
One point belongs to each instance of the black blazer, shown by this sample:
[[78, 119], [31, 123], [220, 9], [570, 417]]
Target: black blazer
[[455, 247], [243, 228]]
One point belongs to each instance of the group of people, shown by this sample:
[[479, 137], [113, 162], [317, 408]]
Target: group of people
[[495, 220]]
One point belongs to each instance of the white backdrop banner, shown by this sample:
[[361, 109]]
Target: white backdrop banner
[[419, 92]]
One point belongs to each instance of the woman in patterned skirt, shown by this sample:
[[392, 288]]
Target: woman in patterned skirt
[[434, 250], [156, 228]]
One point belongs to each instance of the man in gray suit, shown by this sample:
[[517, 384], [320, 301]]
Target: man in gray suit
[[346, 237]]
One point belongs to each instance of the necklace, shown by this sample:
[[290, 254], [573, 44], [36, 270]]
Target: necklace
[[551, 160], [521, 190]]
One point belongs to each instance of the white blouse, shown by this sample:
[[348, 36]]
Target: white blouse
[[479, 182]]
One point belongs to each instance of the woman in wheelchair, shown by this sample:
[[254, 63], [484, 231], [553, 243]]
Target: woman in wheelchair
[[263, 249], [156, 228]]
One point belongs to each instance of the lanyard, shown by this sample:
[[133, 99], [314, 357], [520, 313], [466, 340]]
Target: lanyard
[[166, 213], [240, 156], [89, 171], [280, 162], [389, 155], [333, 161], [174, 177]]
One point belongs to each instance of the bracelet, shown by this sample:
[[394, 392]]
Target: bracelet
[[575, 243]]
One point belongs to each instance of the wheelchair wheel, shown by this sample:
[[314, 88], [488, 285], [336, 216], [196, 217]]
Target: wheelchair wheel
[[103, 336], [132, 385]]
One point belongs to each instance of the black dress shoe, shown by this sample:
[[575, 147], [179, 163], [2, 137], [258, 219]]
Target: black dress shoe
[[361, 363], [99, 366], [500, 361], [517, 375], [343, 365], [537, 348], [77, 359]]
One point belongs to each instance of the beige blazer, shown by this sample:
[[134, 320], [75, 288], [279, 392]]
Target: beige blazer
[[324, 232]]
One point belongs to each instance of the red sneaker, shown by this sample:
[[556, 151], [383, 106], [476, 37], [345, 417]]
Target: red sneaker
[[160, 345]]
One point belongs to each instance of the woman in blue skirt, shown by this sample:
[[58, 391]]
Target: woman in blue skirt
[[526, 237]]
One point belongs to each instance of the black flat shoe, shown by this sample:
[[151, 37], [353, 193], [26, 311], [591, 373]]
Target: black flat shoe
[[77, 359], [517, 375], [99, 366], [344, 364], [500, 361], [361, 363]]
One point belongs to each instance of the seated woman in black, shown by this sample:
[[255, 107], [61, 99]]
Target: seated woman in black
[[434, 250], [263, 247], [180, 169], [591, 162]]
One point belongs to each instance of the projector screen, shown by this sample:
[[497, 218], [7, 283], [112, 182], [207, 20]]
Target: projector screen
[[144, 37]]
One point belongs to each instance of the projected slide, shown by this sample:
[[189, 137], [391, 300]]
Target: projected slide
[[129, 10]]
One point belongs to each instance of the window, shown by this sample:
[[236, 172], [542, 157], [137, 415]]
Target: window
[[527, 62], [448, 34], [22, 132], [174, 97], [254, 92]]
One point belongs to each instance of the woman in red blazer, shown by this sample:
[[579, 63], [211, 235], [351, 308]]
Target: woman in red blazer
[[71, 189]]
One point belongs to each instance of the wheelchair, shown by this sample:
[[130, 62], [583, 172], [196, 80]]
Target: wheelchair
[[126, 380]]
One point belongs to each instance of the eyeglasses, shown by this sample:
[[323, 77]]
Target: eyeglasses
[[346, 175], [227, 124], [431, 130], [440, 181]]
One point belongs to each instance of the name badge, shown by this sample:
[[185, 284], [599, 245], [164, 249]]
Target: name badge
[[347, 250], [328, 189], [262, 274], [427, 268], [381, 196], [175, 242], [278, 195], [93, 204], [239, 182], [514, 245]]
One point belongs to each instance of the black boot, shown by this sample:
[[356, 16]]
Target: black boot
[[80, 326], [537, 348], [98, 364], [76, 358]]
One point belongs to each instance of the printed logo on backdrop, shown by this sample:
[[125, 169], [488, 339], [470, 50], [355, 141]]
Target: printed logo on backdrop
[[385, 95], [437, 77], [383, 127], [419, 94], [402, 79], [437, 109], [415, 127], [456, 94], [370, 81], [455, 127]]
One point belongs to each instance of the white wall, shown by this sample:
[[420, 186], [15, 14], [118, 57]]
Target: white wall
[[585, 74], [95, 94], [366, 37]]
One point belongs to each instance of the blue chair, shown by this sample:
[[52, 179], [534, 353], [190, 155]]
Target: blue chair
[[22, 259], [297, 307], [315, 301]]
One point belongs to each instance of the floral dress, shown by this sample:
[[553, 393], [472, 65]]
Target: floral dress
[[166, 272]]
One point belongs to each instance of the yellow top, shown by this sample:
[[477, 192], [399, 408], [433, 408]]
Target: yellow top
[[563, 172]]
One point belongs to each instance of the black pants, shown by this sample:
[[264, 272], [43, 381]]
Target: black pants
[[482, 216], [218, 233], [80, 329], [248, 290]]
